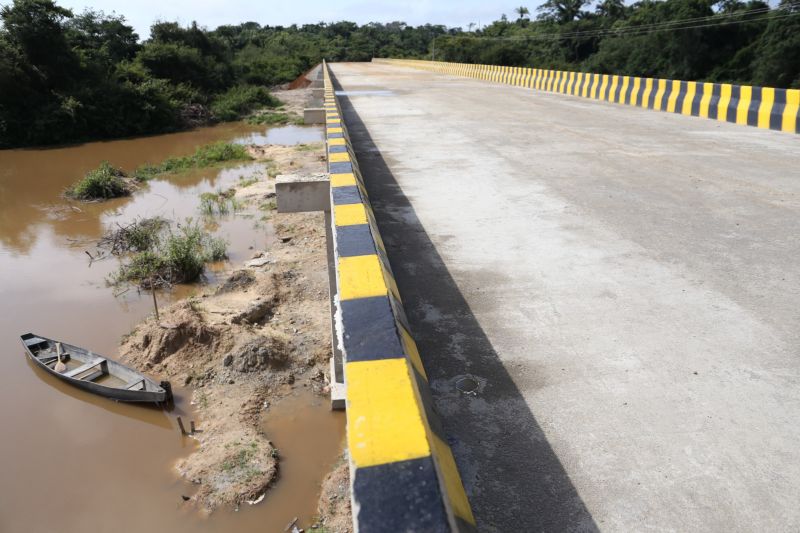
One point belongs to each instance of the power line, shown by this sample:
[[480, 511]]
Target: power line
[[674, 25]]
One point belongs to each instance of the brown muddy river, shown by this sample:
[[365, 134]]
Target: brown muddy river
[[73, 462]]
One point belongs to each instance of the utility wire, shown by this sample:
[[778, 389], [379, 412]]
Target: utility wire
[[674, 25]]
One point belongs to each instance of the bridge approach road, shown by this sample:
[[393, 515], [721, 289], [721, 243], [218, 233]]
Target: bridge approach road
[[622, 284]]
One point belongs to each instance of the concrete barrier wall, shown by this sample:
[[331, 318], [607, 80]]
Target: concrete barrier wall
[[762, 107], [403, 474]]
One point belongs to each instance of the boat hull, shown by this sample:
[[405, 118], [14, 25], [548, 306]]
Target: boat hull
[[151, 392]]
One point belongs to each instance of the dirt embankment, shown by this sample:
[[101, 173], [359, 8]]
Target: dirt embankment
[[244, 344]]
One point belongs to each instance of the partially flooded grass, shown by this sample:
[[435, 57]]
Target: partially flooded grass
[[102, 183], [205, 156], [275, 118], [219, 203], [247, 181], [172, 256]]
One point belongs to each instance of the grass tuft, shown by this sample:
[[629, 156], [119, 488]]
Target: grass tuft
[[102, 183], [175, 257]]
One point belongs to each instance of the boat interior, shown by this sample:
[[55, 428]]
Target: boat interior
[[81, 365]]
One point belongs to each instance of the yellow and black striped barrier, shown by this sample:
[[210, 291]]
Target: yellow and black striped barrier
[[403, 474], [762, 107]]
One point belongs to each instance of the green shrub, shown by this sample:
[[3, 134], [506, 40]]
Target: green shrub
[[274, 117], [177, 257], [102, 183], [238, 101]]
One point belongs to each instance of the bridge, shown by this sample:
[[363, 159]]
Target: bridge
[[603, 299]]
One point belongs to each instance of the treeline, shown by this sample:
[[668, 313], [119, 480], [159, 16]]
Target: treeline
[[703, 40], [67, 77]]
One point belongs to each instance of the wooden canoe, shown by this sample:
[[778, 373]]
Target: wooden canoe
[[95, 373]]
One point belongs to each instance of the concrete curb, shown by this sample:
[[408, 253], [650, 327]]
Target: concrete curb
[[761, 107], [403, 474]]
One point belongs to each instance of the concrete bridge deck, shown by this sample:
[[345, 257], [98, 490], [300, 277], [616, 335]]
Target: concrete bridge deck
[[622, 284]]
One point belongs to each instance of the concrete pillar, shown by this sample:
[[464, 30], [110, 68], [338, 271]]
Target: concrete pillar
[[314, 115]]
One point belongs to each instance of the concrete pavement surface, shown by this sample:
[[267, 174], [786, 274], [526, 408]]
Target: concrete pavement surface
[[621, 284]]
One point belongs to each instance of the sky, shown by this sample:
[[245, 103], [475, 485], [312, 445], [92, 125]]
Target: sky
[[142, 13]]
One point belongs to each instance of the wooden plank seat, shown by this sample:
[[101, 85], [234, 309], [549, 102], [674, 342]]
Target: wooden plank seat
[[33, 341], [83, 368], [136, 384]]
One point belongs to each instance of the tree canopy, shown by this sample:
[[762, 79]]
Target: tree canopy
[[67, 77]]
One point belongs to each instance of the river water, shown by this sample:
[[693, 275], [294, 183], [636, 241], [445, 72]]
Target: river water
[[73, 462]]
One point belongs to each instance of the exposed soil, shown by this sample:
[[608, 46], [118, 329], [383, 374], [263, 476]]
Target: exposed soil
[[335, 514], [247, 342]]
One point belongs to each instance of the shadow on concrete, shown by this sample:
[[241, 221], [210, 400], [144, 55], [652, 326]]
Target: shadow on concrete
[[514, 480]]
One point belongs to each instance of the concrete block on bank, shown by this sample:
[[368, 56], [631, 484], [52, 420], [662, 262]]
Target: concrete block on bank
[[318, 94], [314, 115], [317, 84], [299, 194]]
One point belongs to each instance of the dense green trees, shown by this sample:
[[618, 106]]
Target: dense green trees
[[711, 40], [66, 77]]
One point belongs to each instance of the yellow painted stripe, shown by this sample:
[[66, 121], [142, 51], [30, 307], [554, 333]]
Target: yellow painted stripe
[[673, 96], [343, 180], [726, 90], [337, 141], [705, 101], [688, 101], [350, 214], [637, 84], [412, 351], [745, 94], [336, 129], [602, 94], [361, 277], [765, 108], [342, 157], [452, 480], [662, 88], [648, 90], [612, 93], [623, 92], [385, 420], [789, 122]]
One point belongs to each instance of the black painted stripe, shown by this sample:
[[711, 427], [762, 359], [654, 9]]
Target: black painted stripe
[[354, 240], [629, 92], [683, 88], [607, 89], [734, 103], [335, 135], [618, 91], [640, 93], [752, 110], [651, 100], [697, 98], [776, 117], [402, 496], [797, 122], [430, 410], [338, 149], [345, 195], [713, 105], [667, 94], [370, 331], [340, 168]]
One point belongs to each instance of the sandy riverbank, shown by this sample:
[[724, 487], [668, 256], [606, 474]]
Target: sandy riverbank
[[248, 342]]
